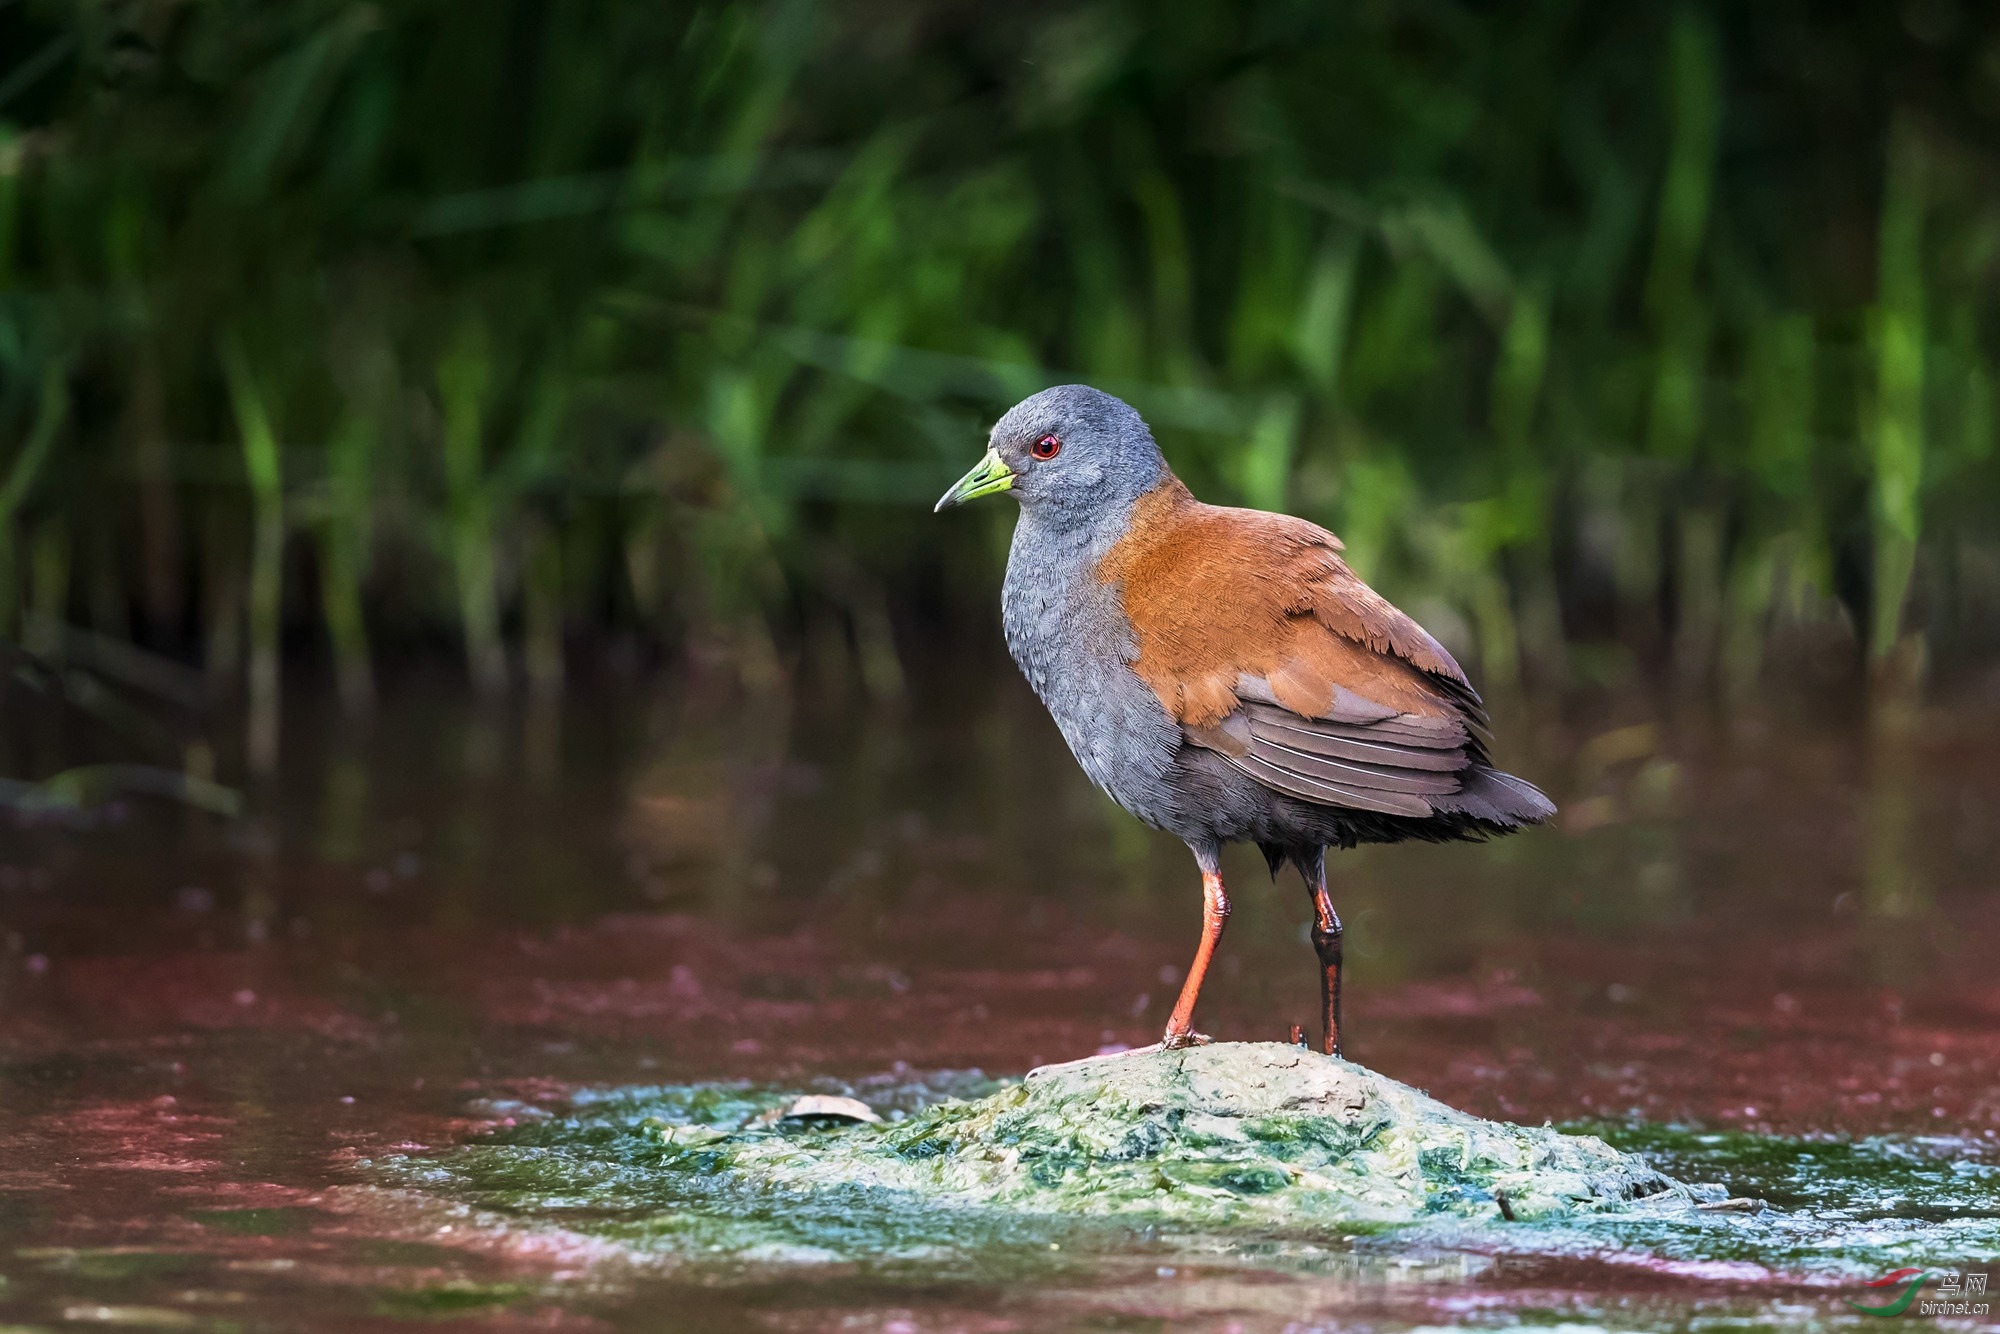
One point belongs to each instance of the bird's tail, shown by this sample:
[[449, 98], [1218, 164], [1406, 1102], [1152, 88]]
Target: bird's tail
[[1497, 798]]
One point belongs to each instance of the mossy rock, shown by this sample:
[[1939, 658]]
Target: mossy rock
[[1227, 1133]]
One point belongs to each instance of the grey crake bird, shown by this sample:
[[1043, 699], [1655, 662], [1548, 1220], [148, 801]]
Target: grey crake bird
[[1222, 674]]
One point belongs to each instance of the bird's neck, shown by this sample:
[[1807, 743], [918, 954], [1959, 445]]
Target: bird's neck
[[1096, 522], [1063, 545]]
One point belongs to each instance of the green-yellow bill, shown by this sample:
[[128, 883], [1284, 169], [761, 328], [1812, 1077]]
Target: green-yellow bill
[[988, 476]]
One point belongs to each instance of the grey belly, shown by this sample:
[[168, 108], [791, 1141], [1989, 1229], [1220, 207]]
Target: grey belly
[[1127, 744], [1074, 645], [1122, 737], [1130, 747]]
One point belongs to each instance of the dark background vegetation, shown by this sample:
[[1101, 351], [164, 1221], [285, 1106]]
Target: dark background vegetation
[[1640, 342]]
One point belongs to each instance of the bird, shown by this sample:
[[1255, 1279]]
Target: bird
[[1223, 675]]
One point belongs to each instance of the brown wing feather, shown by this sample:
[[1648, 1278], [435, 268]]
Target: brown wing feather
[[1386, 742], [1266, 648], [1325, 793]]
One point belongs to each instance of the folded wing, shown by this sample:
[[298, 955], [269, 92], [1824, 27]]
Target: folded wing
[[1269, 651]]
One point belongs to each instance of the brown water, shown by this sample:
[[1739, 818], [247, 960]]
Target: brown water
[[211, 1031]]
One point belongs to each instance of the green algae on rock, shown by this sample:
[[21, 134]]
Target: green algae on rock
[[1237, 1153], [1228, 1133]]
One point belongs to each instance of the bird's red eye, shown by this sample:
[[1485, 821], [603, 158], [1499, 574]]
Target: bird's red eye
[[1047, 447]]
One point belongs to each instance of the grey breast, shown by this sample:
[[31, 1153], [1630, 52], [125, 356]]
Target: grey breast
[[1073, 643]]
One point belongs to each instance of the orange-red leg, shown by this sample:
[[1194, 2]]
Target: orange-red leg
[[1326, 943], [1214, 916]]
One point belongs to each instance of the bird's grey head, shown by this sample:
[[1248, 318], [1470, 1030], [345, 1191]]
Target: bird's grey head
[[1070, 455]]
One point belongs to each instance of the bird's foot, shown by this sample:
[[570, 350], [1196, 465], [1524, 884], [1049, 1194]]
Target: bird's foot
[[1175, 1041]]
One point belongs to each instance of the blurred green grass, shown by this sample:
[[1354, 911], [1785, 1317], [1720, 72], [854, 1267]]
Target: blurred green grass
[[1613, 339]]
